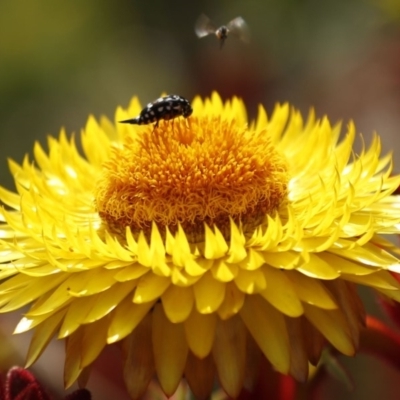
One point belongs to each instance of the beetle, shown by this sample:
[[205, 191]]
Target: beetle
[[238, 27], [166, 107]]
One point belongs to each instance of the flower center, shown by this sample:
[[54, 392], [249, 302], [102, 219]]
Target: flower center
[[191, 172]]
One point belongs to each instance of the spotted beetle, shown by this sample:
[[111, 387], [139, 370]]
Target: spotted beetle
[[166, 107], [237, 27]]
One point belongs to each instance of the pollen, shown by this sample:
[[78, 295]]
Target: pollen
[[205, 170]]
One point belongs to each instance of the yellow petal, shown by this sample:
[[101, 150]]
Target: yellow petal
[[76, 314], [311, 291], [282, 260], [392, 294], [26, 323], [150, 287], [253, 361], [314, 341], [251, 281], [108, 300], [143, 251], [267, 326], [93, 341], [237, 251], [200, 375], [254, 260], [280, 292], [229, 352], [316, 267], [120, 326], [344, 266], [197, 267], [298, 354], [224, 272], [42, 336], [379, 280], [215, 244], [369, 254], [170, 350], [33, 291], [139, 361], [351, 306], [200, 331], [181, 278], [72, 366], [157, 253], [209, 294], [332, 325], [179, 247], [178, 303], [131, 272], [233, 301]]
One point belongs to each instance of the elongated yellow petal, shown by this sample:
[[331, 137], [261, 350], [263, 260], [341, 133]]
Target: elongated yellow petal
[[379, 280], [229, 352], [298, 354], [200, 332], [348, 267], [168, 344], [42, 336], [130, 273], [314, 341], [76, 314], [351, 306], [139, 361], [199, 374], [268, 329], [121, 326], [311, 291], [33, 291], [333, 326], [254, 357], [108, 300], [316, 267], [72, 366], [284, 260], [281, 293], [93, 340], [237, 251]]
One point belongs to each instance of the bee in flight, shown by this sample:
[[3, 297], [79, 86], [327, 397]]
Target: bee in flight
[[237, 27], [166, 107]]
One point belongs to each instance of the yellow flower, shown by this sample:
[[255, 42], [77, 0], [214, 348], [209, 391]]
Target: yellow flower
[[201, 245]]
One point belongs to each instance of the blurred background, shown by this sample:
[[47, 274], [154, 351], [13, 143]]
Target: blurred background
[[63, 60]]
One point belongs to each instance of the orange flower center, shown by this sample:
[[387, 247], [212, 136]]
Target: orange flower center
[[191, 172]]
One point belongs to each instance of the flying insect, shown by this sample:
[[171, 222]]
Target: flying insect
[[237, 27]]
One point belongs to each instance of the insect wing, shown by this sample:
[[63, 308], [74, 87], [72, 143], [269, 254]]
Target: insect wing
[[204, 26], [240, 29]]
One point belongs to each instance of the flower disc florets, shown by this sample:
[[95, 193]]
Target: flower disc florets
[[208, 170]]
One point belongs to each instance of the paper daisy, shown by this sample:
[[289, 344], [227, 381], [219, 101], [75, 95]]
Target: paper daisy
[[202, 246]]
